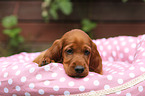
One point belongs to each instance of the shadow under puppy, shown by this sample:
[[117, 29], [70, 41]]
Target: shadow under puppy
[[76, 51]]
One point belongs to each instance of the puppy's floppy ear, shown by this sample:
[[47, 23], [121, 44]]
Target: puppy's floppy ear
[[53, 54], [95, 60]]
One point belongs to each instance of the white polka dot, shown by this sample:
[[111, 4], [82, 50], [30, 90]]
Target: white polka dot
[[46, 82], [118, 48], [18, 73], [6, 90], [138, 45], [121, 55], [119, 92], [132, 75], [41, 91], [0, 83], [3, 69], [121, 73], [128, 94], [71, 83], [101, 47], [122, 38], [133, 45], [114, 72], [56, 88], [10, 81], [104, 53], [66, 93], [142, 69], [31, 70], [61, 69], [15, 67], [138, 60], [120, 81], [23, 79], [5, 63], [131, 58], [28, 66], [132, 68], [27, 94], [18, 88], [109, 47], [55, 64], [126, 50], [47, 68], [140, 88], [21, 61], [31, 85], [96, 82], [54, 74], [86, 79], [92, 91], [104, 63], [114, 53], [143, 54], [106, 87], [111, 59], [109, 77], [115, 42], [123, 43], [131, 40], [97, 42], [82, 88], [6, 74], [14, 95], [20, 57], [141, 63], [27, 58], [62, 79], [141, 49], [38, 76], [108, 69]]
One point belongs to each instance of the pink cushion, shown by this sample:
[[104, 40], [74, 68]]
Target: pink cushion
[[123, 60]]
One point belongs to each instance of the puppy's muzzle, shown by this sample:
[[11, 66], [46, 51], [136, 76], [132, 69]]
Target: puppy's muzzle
[[79, 69]]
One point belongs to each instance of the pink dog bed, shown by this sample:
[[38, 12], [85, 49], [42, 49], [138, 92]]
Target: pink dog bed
[[123, 67]]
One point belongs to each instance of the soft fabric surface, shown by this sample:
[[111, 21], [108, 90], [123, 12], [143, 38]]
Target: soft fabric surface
[[123, 60]]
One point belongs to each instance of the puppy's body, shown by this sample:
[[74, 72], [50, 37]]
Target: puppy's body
[[76, 51]]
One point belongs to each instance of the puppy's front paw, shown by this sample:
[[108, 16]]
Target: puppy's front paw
[[45, 62]]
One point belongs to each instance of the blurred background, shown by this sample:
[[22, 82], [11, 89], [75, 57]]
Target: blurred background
[[33, 25]]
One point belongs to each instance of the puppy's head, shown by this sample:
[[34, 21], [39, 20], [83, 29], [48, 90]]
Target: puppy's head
[[77, 52]]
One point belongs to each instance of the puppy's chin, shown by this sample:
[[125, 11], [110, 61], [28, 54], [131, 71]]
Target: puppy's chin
[[77, 75]]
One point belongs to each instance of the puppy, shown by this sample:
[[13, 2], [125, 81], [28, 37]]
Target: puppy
[[76, 51]]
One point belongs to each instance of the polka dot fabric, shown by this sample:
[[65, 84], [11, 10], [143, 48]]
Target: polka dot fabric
[[123, 60]]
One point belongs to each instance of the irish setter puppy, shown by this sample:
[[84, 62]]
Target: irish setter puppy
[[76, 51]]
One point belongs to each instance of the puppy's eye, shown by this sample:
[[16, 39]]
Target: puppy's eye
[[87, 52], [69, 51]]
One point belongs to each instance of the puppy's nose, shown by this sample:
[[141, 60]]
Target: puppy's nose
[[79, 69]]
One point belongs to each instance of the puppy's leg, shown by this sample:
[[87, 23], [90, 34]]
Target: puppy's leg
[[40, 60]]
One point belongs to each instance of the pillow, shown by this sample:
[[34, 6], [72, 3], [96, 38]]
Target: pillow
[[123, 72]]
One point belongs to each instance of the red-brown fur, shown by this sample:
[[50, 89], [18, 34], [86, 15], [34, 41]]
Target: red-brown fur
[[79, 42]]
